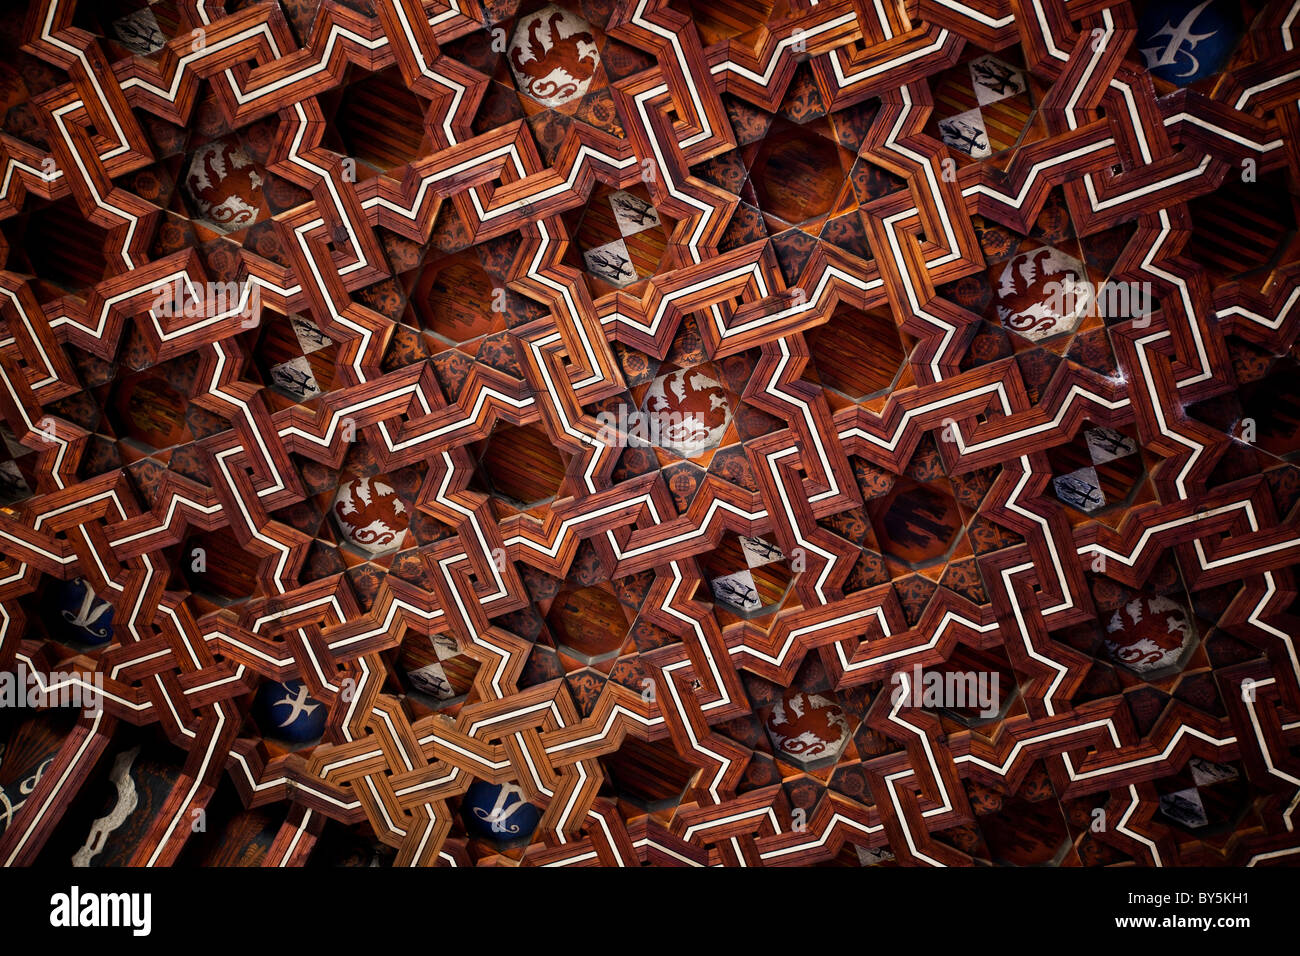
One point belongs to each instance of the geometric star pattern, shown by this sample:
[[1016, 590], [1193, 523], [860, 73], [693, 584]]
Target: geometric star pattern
[[461, 433]]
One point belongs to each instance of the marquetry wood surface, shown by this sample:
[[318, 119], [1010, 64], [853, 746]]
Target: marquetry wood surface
[[384, 512]]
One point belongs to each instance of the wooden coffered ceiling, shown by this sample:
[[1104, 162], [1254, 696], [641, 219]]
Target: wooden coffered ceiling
[[510, 433]]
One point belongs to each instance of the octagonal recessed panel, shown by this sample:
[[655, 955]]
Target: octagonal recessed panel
[[1150, 633], [65, 249], [588, 624], [438, 674], [1271, 409], [857, 353], [380, 122], [1185, 41], [553, 55], [216, 567], [1041, 293], [1204, 797], [296, 357], [916, 522], [798, 175], [454, 298], [223, 186], [286, 710], [810, 728], [521, 464], [499, 812], [151, 410], [370, 515], [85, 616], [692, 409]]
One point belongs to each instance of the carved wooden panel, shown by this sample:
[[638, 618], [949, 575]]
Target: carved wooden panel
[[649, 432]]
